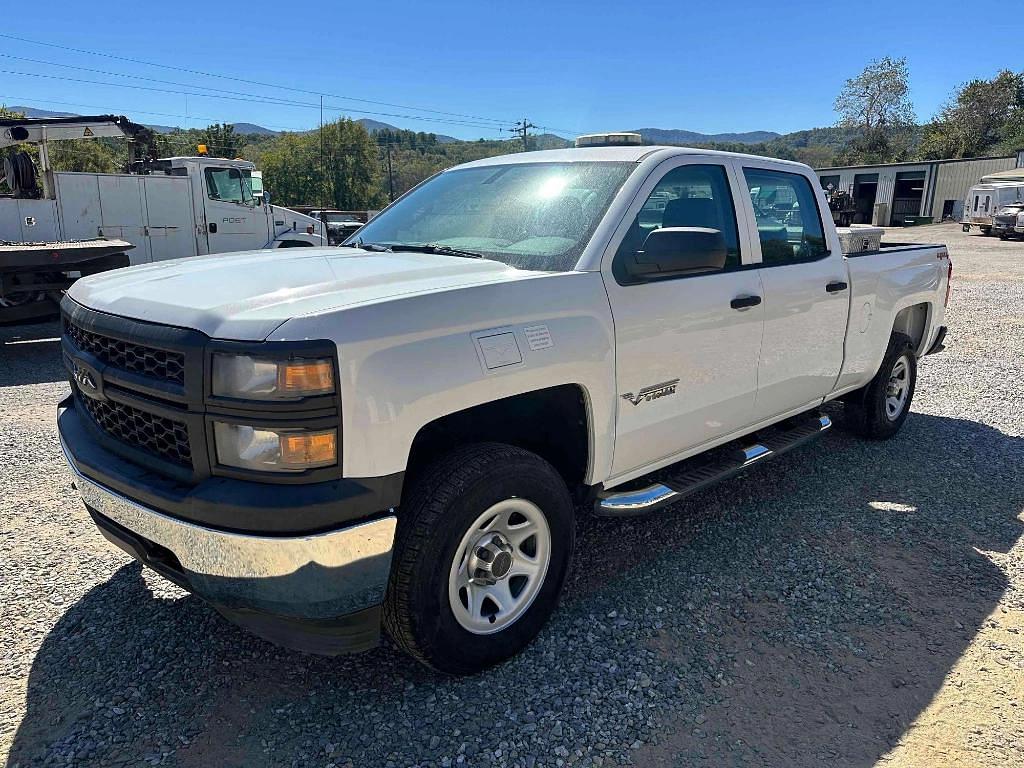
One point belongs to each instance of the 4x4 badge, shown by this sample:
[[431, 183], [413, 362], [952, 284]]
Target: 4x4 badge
[[652, 392]]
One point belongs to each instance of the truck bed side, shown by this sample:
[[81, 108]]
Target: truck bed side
[[899, 287]]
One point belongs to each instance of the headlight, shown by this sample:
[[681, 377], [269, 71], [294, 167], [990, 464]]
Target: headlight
[[258, 378], [1020, 219], [274, 450]]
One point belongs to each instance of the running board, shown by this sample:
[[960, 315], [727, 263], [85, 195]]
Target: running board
[[675, 482]]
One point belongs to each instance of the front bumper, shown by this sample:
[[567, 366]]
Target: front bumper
[[317, 592]]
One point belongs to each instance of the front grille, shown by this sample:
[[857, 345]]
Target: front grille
[[136, 358], [160, 436], [1006, 221]]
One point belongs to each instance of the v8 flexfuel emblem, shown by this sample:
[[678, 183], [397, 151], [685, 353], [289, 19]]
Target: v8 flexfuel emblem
[[652, 392]]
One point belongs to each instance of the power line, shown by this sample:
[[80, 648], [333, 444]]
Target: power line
[[106, 109], [248, 81], [250, 98]]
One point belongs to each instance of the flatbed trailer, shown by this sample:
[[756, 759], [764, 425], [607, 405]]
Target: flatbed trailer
[[33, 276]]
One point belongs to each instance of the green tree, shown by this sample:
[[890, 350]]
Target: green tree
[[877, 105], [221, 140], [352, 174], [982, 116], [291, 169]]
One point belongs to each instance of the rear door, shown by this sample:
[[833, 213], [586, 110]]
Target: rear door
[[686, 360], [806, 291]]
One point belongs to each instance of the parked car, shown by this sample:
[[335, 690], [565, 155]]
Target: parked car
[[1009, 221], [340, 224], [400, 432]]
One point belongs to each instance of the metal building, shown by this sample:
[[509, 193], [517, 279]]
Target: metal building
[[894, 194]]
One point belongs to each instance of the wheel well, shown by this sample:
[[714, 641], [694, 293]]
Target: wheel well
[[912, 321], [550, 422], [295, 244]]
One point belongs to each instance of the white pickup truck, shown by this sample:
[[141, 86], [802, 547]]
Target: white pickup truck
[[400, 432]]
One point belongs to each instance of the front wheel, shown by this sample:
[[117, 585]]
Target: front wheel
[[484, 543], [878, 410]]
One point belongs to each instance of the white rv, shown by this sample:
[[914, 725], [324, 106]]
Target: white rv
[[986, 198]]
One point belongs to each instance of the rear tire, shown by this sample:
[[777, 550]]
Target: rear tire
[[878, 410], [482, 507]]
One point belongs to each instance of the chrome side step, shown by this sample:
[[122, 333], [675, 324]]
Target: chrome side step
[[686, 477]]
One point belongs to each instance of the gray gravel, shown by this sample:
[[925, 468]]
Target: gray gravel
[[804, 614]]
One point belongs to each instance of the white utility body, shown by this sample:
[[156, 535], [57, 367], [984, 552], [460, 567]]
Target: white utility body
[[164, 209], [619, 325]]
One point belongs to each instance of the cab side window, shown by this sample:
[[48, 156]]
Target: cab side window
[[788, 222], [688, 196], [227, 185]]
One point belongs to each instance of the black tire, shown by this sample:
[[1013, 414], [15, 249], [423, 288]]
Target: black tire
[[435, 516], [865, 410], [986, 231]]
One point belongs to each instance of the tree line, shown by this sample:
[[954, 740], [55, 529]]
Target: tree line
[[346, 166], [877, 123]]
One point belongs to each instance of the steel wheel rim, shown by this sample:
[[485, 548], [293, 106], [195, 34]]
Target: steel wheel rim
[[898, 388], [522, 533]]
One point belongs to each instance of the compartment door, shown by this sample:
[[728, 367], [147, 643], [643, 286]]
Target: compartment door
[[169, 210]]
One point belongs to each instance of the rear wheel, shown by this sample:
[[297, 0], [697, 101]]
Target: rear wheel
[[878, 410], [483, 546]]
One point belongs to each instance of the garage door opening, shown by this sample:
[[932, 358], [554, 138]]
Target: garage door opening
[[906, 198], [865, 188]]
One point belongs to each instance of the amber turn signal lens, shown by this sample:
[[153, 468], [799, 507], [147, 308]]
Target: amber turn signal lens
[[309, 449], [306, 377]]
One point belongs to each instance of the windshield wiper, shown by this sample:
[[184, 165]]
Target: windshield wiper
[[376, 247], [440, 250]]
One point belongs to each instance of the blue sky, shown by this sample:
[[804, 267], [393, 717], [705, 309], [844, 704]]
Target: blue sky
[[569, 67]]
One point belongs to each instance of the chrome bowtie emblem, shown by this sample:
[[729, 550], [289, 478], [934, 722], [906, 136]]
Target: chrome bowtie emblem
[[84, 379]]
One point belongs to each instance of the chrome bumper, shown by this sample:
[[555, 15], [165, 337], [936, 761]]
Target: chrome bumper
[[318, 576]]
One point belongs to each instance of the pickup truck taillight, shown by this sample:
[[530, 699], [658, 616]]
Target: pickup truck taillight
[[949, 283]]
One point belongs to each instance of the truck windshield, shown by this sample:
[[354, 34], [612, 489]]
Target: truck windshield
[[528, 215]]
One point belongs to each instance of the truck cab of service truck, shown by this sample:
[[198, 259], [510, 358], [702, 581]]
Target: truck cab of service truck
[[399, 432]]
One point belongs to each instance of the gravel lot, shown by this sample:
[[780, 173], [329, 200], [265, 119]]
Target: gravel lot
[[853, 603]]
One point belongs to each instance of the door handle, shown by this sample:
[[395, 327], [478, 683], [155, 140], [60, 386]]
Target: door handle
[[836, 287], [745, 302]]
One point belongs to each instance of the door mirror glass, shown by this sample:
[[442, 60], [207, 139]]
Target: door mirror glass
[[256, 185], [678, 251]]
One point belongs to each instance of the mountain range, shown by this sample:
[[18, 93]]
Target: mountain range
[[653, 135]]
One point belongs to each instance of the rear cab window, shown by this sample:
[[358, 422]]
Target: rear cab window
[[789, 223]]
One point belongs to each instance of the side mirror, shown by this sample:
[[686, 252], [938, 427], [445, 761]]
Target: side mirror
[[679, 251]]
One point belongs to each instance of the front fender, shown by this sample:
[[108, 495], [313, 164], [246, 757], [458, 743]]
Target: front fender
[[408, 361]]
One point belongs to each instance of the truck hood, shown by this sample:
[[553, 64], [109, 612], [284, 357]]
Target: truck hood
[[245, 296]]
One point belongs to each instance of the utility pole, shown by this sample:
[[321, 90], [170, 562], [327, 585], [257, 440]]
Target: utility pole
[[323, 174], [391, 177], [520, 129]]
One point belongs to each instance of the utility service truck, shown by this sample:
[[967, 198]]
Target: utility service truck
[[400, 431], [57, 226]]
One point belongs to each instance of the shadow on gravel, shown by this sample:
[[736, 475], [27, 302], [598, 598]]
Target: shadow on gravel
[[803, 614], [30, 354]]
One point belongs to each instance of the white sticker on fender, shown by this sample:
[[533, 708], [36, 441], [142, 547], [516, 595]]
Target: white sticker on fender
[[538, 337]]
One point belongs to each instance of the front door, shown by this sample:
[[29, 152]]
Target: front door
[[234, 220], [686, 358], [806, 296]]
